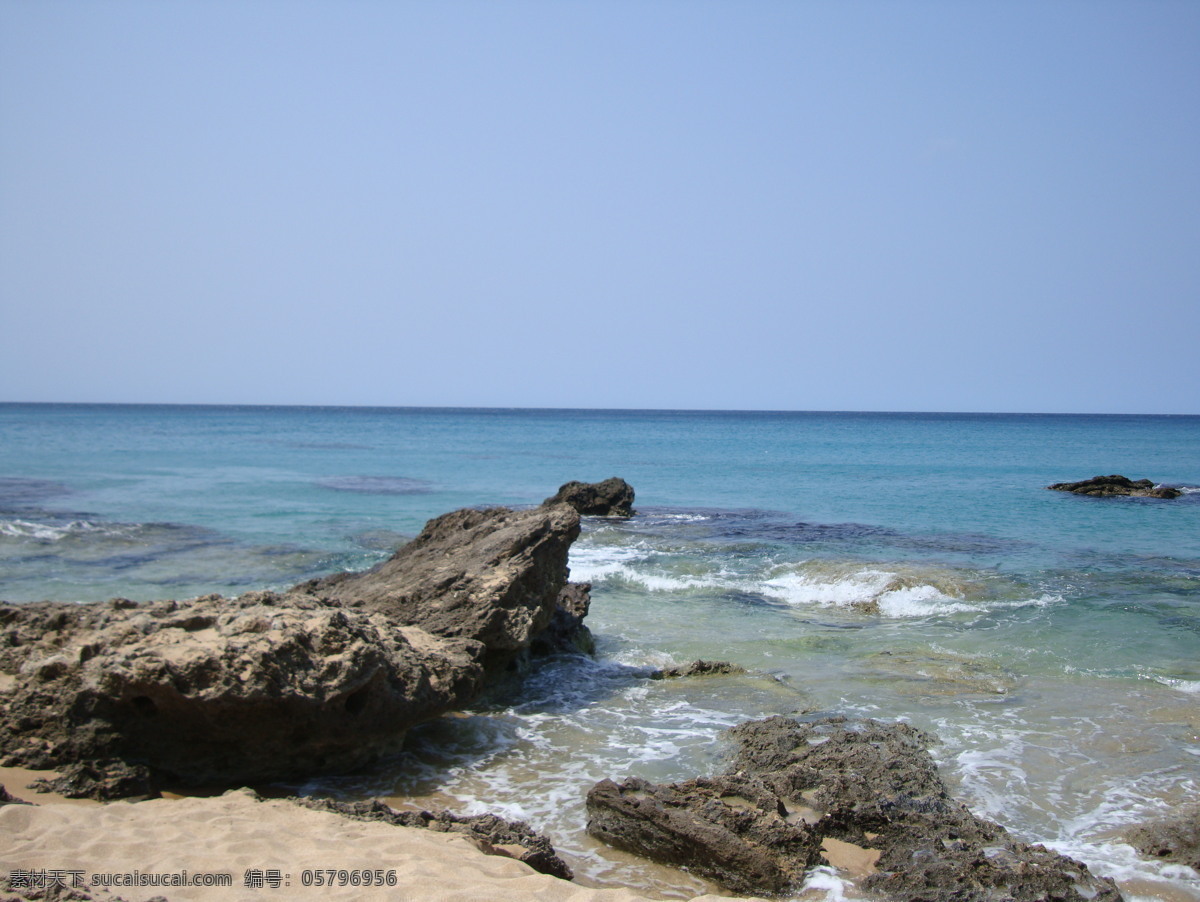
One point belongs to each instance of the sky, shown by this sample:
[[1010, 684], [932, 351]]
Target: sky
[[942, 206]]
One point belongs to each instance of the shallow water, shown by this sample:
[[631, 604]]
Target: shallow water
[[897, 566]]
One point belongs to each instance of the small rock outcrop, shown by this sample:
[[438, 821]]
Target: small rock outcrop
[[325, 677], [491, 834], [7, 798], [1175, 837], [1107, 486], [794, 787], [698, 668], [101, 781], [611, 498]]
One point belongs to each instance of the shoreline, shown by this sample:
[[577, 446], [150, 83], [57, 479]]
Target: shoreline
[[238, 835]]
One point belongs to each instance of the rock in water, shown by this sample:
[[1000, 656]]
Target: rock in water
[[1106, 486], [730, 829], [492, 576], [792, 786], [1175, 837], [326, 677], [611, 498]]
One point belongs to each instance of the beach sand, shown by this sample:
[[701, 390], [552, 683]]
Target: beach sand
[[236, 833]]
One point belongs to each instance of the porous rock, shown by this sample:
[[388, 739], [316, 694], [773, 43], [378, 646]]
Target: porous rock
[[491, 834], [867, 783], [698, 667], [1107, 486], [1175, 837], [221, 690], [492, 576], [101, 781], [611, 498], [325, 677]]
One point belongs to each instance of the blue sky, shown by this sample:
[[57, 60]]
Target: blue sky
[[988, 206]]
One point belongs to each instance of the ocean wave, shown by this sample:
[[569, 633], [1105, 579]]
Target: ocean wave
[[48, 532], [888, 593], [1191, 687]]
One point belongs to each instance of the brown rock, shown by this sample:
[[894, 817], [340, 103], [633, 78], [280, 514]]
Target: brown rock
[[611, 498], [868, 784], [1107, 486]]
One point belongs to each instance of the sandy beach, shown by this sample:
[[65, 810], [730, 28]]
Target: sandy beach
[[263, 850]]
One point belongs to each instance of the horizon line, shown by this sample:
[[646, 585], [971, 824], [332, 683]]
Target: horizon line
[[550, 409]]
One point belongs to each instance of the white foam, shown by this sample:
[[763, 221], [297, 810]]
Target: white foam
[[867, 587], [1191, 687], [23, 529], [825, 879]]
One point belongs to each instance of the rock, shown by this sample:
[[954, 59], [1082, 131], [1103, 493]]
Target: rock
[[567, 632], [1105, 486], [611, 498], [7, 798], [732, 830], [493, 835], [102, 781], [223, 690], [697, 668], [326, 677], [1173, 838], [491, 576], [869, 784]]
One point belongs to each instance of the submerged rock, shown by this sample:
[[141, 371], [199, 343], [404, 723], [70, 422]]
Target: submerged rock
[[697, 668], [792, 786], [1175, 837], [611, 498], [326, 677], [1105, 486], [491, 834]]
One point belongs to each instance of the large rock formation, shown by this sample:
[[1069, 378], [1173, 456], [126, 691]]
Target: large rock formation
[[611, 498], [221, 690], [1107, 486], [325, 677], [493, 576], [793, 788]]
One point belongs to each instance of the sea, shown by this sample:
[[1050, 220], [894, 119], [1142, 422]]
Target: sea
[[900, 566]]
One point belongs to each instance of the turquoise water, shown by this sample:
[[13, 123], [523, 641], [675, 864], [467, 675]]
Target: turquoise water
[[899, 565]]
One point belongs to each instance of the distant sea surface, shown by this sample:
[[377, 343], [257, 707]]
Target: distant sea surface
[[899, 566]]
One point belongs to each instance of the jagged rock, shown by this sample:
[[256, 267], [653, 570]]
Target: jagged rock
[[493, 576], [567, 632], [611, 498], [730, 829], [1173, 838], [326, 677], [870, 784], [223, 690], [1105, 486], [493, 835], [697, 668], [102, 781]]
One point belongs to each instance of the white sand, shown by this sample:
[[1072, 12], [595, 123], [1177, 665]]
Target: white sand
[[233, 833]]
